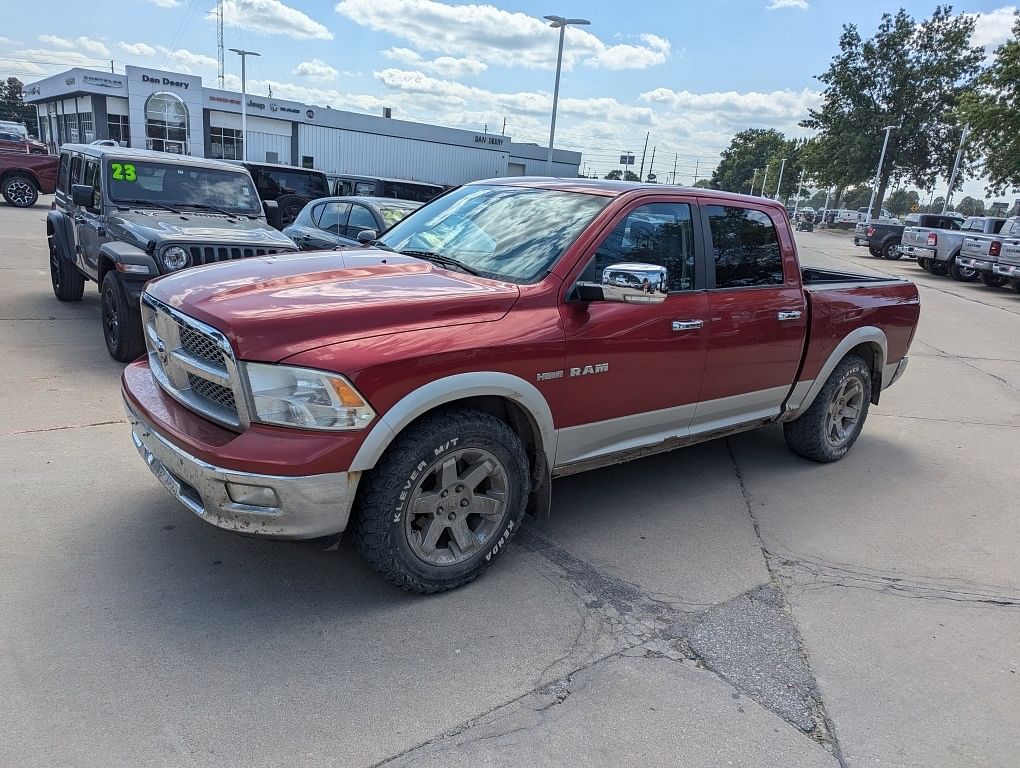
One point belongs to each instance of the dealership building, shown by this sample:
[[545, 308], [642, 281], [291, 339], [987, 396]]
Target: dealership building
[[173, 112]]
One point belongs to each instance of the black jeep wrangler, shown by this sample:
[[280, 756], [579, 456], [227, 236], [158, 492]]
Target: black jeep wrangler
[[124, 216]]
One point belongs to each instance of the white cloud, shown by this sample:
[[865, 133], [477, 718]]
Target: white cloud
[[778, 5], [493, 36], [766, 107], [83, 43], [137, 49], [449, 66], [316, 69], [993, 28], [271, 17], [181, 59], [167, 3]]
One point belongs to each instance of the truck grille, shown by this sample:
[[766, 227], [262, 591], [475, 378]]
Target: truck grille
[[193, 363], [210, 254]]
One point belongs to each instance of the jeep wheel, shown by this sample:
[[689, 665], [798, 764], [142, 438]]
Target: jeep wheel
[[828, 429], [68, 283], [443, 502], [122, 323], [963, 274], [19, 191], [891, 251], [290, 207], [992, 281]]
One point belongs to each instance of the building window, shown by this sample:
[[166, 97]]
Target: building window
[[88, 131], [166, 123], [307, 161], [227, 143], [71, 134], [120, 129], [272, 157]]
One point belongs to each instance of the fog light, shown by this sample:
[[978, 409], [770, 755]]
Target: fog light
[[252, 495]]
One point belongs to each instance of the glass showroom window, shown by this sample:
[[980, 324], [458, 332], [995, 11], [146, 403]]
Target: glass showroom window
[[226, 143], [120, 129], [166, 123]]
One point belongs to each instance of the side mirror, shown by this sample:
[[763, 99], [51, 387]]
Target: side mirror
[[630, 283], [81, 195], [272, 211], [366, 236]]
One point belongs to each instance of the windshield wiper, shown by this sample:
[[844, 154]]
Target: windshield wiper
[[213, 208], [139, 201], [443, 261]]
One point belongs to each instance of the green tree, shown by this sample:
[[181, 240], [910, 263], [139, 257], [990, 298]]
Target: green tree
[[902, 202], [703, 184], [13, 106], [755, 148], [616, 175], [909, 74], [971, 206], [993, 111]]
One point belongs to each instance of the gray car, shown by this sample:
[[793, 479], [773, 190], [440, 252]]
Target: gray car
[[332, 221], [124, 216]]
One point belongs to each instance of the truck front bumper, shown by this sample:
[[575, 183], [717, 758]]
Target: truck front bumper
[[273, 506], [1007, 270]]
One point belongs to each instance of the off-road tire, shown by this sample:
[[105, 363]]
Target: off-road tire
[[891, 251], [993, 281], [806, 435], [68, 283], [963, 274], [385, 498], [290, 206], [19, 191], [122, 322]]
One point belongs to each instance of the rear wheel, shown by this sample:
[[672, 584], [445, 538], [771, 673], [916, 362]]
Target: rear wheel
[[963, 274], [891, 251], [443, 502], [1016, 286], [290, 207], [937, 268], [923, 264], [992, 281], [876, 252], [827, 430], [68, 283], [19, 191], [122, 322]]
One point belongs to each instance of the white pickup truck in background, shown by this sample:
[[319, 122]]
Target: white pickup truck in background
[[936, 250], [982, 252]]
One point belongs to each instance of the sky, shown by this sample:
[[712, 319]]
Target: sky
[[689, 74]]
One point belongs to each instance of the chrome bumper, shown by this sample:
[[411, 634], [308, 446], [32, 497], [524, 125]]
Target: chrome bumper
[[1007, 270], [274, 506], [978, 264]]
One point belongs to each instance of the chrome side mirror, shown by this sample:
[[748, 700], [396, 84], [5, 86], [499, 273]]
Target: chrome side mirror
[[632, 283]]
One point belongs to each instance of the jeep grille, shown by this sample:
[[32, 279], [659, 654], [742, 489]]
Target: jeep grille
[[210, 254]]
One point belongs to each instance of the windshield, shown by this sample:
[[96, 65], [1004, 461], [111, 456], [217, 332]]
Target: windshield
[[510, 233], [180, 186]]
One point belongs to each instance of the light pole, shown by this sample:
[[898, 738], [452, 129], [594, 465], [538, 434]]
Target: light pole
[[956, 167], [560, 23], [244, 100], [779, 183], [755, 176], [764, 179], [878, 173]]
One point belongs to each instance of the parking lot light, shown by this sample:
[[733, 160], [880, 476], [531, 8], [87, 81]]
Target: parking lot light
[[878, 173], [558, 22], [244, 101]]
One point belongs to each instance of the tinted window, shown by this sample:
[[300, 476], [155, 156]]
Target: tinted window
[[91, 178], [76, 164], [333, 217], [181, 185], [745, 246], [64, 171], [659, 233], [365, 189], [403, 190], [295, 182], [361, 219]]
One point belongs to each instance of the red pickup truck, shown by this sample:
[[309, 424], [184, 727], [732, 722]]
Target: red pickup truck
[[24, 176], [423, 390]]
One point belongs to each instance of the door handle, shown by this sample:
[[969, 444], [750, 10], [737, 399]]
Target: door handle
[[792, 315], [687, 325]]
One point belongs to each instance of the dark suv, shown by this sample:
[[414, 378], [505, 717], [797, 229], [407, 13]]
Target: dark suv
[[123, 216], [378, 186], [290, 187]]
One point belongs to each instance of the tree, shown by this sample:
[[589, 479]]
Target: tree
[[703, 184], [993, 111], [909, 74], [748, 150], [971, 206], [13, 106], [616, 175], [902, 202]]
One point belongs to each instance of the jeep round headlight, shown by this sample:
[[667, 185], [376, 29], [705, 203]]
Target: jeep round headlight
[[302, 397], [175, 258]]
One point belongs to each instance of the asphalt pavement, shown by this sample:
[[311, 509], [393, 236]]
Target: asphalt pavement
[[727, 604]]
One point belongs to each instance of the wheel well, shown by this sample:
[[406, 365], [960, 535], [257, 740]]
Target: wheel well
[[18, 172], [871, 354], [105, 265]]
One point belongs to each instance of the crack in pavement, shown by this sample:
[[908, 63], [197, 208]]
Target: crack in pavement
[[61, 427], [944, 421], [963, 361]]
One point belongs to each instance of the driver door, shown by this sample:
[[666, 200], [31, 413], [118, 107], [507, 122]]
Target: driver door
[[633, 370], [89, 222]]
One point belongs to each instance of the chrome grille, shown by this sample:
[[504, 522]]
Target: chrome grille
[[193, 363], [210, 254]]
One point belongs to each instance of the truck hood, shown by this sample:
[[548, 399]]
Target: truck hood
[[272, 307], [157, 227]]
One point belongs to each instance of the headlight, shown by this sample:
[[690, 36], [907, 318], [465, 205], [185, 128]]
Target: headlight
[[300, 397], [175, 258]]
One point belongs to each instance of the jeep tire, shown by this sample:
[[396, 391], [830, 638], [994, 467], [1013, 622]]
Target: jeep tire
[[444, 500], [19, 190], [290, 206], [827, 430], [68, 283], [122, 322]]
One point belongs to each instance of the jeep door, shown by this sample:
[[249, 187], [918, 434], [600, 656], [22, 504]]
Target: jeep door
[[90, 221], [633, 370]]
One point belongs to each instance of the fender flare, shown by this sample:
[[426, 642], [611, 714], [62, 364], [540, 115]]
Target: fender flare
[[116, 252], [803, 395], [450, 389], [63, 233]]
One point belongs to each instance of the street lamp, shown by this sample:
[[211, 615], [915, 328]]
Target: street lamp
[[779, 183], [878, 173], [764, 179], [560, 23], [244, 101], [755, 176]]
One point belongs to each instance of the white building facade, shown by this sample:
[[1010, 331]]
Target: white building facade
[[173, 112]]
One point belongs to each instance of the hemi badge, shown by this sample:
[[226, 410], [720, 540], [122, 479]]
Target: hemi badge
[[550, 375]]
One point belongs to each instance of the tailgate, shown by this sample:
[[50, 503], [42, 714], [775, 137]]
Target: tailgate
[[915, 236], [975, 247]]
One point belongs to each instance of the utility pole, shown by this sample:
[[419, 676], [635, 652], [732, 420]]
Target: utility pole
[[696, 162], [503, 132], [219, 41], [675, 158], [956, 167], [111, 67], [641, 173], [651, 165]]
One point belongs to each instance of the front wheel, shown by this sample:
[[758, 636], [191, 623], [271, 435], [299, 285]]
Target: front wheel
[[827, 430], [19, 191], [443, 502], [122, 322], [963, 274]]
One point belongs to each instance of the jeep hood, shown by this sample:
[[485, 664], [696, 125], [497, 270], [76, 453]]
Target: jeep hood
[[272, 307], [157, 227]]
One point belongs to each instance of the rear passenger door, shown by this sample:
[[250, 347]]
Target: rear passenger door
[[757, 316], [89, 221]]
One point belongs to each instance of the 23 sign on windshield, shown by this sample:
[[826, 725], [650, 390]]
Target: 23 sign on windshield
[[123, 172]]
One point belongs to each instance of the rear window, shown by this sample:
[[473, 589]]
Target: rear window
[[403, 190], [746, 247]]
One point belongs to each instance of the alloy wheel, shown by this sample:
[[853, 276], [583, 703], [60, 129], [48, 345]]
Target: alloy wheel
[[111, 323], [844, 412], [19, 192]]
